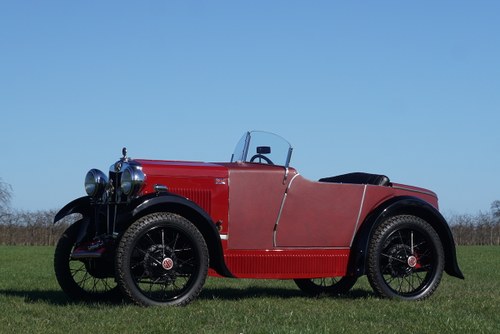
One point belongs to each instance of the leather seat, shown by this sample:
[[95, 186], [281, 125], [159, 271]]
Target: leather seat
[[359, 178]]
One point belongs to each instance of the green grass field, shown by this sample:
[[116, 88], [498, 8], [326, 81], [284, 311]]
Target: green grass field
[[31, 301]]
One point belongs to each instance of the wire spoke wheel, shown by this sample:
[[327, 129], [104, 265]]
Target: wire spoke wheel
[[405, 259], [406, 270], [162, 259], [326, 285], [163, 262], [82, 279], [81, 274]]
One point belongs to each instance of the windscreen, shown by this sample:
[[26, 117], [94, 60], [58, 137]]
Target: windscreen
[[263, 147]]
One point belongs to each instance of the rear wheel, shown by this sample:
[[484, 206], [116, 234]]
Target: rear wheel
[[405, 259], [85, 278], [330, 286], [162, 260]]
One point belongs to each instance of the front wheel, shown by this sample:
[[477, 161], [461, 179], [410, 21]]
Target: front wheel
[[405, 259], [162, 260], [329, 286]]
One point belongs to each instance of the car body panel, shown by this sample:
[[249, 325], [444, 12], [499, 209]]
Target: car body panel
[[255, 195], [319, 214], [287, 263], [267, 221], [205, 184]]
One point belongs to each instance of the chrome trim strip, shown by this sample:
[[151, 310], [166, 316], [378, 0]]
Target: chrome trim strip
[[224, 237], [415, 191], [359, 215], [275, 230]]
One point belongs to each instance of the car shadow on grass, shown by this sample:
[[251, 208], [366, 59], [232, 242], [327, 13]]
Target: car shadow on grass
[[58, 297], [232, 294], [53, 297]]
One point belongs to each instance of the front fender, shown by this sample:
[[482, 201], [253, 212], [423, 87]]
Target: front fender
[[191, 211], [80, 205], [412, 206], [149, 202]]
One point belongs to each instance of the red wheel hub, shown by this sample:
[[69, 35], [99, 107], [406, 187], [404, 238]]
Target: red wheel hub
[[167, 263], [412, 261]]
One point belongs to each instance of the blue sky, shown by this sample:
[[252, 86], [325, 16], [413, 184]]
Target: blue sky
[[409, 89]]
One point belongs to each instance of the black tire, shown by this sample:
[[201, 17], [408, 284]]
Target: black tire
[[405, 259], [329, 286], [84, 279], [162, 260]]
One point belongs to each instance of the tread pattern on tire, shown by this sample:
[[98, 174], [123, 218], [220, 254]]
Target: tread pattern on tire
[[381, 232], [125, 281]]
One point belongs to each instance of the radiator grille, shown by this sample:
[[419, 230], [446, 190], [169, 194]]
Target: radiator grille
[[199, 196]]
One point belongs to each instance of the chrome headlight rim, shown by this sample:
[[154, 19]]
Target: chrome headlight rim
[[95, 182], [132, 180]]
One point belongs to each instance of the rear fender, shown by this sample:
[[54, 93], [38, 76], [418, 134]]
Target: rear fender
[[398, 206]]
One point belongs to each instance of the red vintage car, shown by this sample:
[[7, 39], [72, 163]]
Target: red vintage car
[[153, 230]]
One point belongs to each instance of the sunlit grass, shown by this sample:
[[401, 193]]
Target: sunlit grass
[[31, 301]]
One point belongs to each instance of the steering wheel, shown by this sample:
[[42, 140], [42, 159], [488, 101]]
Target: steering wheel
[[263, 157]]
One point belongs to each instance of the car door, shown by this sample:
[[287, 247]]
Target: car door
[[255, 196]]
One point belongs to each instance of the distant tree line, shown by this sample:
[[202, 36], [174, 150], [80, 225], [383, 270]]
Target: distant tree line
[[37, 227], [479, 229], [31, 228], [34, 228]]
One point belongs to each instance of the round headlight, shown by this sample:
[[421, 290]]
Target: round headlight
[[132, 180], [95, 182]]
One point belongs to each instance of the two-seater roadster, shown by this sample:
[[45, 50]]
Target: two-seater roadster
[[153, 230]]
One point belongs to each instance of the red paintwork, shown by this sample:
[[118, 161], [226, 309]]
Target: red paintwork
[[288, 263], [195, 181], [311, 238]]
